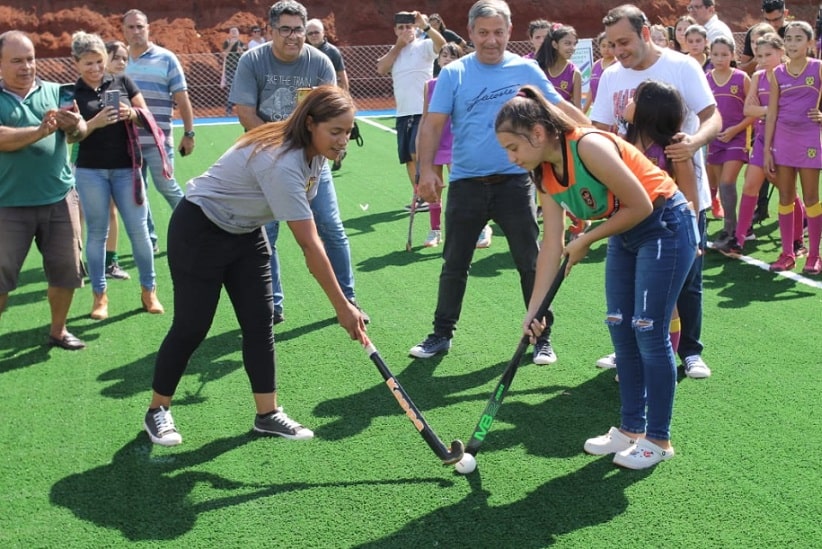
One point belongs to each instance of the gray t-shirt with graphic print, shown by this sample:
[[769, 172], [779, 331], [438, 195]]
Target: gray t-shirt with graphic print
[[270, 85], [240, 193]]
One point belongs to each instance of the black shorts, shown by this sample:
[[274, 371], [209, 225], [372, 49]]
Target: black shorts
[[407, 137]]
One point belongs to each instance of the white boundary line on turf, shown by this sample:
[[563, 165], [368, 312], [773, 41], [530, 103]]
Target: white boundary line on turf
[[785, 274], [377, 125]]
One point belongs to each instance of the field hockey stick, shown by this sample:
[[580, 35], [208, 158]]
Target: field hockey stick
[[448, 455], [411, 221], [411, 213], [499, 392]]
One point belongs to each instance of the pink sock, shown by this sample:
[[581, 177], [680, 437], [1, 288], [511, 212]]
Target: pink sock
[[786, 229], [675, 336], [814, 235], [746, 211], [799, 220], [435, 213]]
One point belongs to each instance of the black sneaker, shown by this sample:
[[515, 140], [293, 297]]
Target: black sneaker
[[721, 238], [544, 352], [114, 271], [278, 317], [799, 249], [759, 216], [160, 428], [432, 345], [730, 248], [278, 423], [422, 206], [365, 317]]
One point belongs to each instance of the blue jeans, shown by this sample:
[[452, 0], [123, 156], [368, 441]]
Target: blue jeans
[[153, 162], [645, 270], [96, 189], [509, 201], [689, 303], [330, 228]]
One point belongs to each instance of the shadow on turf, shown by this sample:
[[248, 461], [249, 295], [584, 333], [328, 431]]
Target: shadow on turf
[[592, 495], [150, 497], [554, 428], [207, 363]]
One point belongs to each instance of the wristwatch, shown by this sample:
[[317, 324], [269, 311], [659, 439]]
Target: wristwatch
[[188, 133], [426, 28]]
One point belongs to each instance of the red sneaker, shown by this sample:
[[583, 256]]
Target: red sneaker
[[716, 208], [786, 262], [813, 265]]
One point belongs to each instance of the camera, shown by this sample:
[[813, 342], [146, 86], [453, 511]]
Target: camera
[[404, 18], [671, 33]]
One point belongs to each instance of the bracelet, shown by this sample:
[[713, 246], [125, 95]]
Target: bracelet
[[427, 28]]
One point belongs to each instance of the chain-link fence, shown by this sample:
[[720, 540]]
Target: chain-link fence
[[370, 90]]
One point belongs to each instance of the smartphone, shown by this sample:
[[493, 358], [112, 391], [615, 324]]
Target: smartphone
[[112, 99], [671, 34], [404, 17], [66, 97]]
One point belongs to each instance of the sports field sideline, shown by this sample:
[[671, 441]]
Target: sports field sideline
[[78, 471]]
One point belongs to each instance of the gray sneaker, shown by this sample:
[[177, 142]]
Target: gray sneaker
[[278, 423], [696, 368], [432, 345], [544, 352], [114, 271], [160, 427]]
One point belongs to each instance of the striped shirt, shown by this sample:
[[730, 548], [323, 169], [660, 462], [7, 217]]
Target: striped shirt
[[159, 75]]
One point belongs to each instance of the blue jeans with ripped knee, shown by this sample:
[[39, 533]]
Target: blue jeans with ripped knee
[[645, 269]]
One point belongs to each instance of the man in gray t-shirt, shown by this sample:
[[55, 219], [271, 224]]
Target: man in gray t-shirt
[[265, 90]]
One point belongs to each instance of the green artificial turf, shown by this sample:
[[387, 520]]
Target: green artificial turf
[[78, 471]]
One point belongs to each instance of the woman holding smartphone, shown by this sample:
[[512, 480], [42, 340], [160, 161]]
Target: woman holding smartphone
[[106, 169]]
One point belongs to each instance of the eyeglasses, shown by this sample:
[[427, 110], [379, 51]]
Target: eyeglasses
[[285, 32], [256, 31], [694, 8], [313, 33], [776, 19]]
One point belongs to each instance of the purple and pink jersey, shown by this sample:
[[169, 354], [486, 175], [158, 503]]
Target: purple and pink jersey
[[564, 81], [763, 93], [797, 142], [593, 84], [656, 154], [730, 102], [443, 155]]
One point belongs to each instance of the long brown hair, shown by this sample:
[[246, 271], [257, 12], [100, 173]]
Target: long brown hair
[[321, 104]]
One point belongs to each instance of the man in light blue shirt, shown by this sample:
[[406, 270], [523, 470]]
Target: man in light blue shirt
[[484, 185]]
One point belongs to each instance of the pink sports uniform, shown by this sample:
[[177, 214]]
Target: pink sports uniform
[[596, 74], [763, 92], [797, 142], [564, 82], [443, 155], [730, 101]]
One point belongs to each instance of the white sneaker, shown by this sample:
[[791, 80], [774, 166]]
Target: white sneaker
[[433, 239], [608, 361], [484, 240], [642, 455], [696, 368], [611, 442]]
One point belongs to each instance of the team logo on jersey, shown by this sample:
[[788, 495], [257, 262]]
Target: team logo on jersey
[[563, 85], [809, 80], [588, 198], [735, 89], [812, 153], [310, 183]]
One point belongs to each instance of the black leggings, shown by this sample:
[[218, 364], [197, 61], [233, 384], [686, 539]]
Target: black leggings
[[202, 259]]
